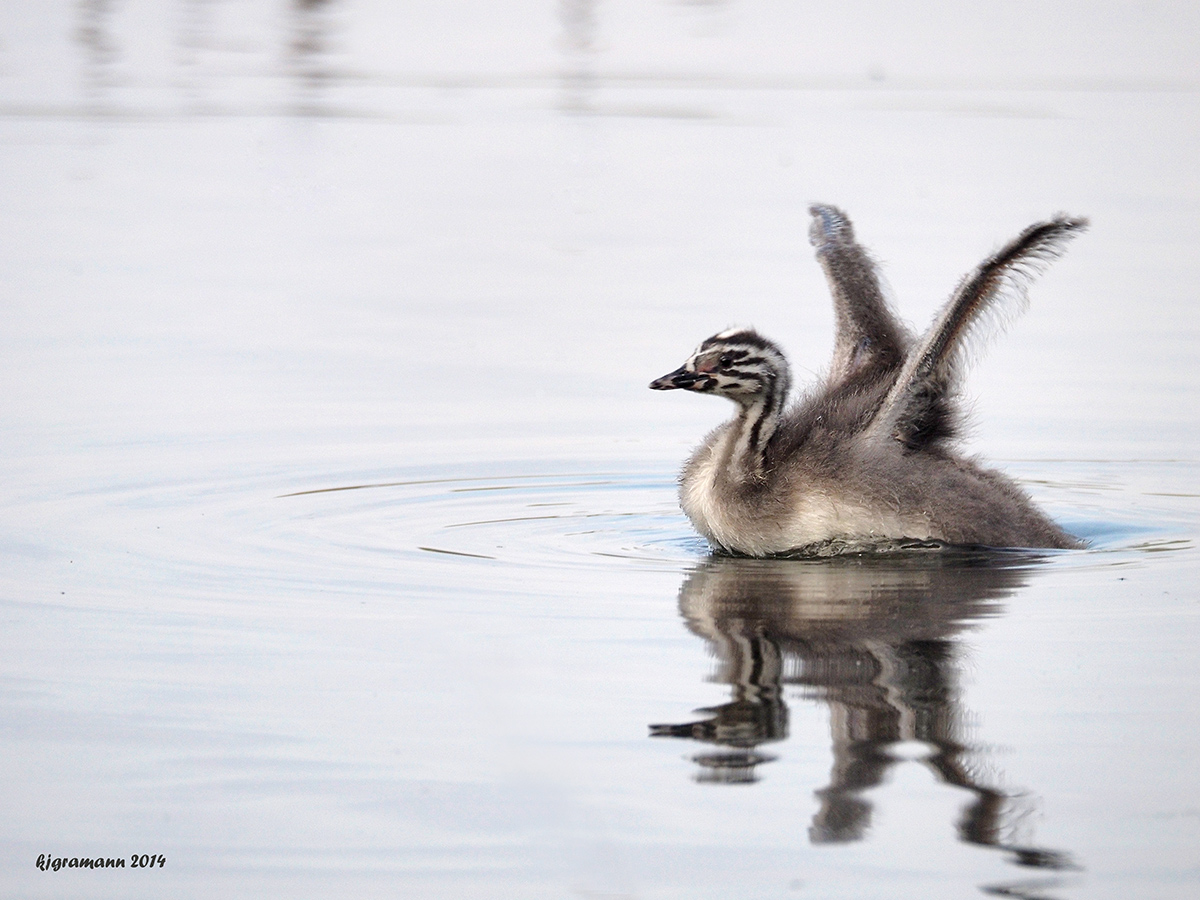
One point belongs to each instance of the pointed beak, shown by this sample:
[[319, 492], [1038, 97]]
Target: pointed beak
[[680, 378]]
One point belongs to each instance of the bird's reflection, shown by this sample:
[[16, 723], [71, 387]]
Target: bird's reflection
[[876, 638], [579, 24], [100, 52], [308, 54]]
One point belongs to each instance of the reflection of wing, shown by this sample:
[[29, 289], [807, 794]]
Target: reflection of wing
[[867, 335], [917, 410]]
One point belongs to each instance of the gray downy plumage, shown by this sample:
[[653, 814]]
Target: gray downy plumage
[[867, 457]]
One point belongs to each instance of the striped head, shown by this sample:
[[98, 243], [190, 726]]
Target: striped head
[[739, 364]]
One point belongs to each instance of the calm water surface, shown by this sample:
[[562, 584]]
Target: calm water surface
[[341, 546]]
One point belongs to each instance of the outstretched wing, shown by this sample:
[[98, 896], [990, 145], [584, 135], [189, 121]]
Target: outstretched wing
[[868, 336], [917, 411]]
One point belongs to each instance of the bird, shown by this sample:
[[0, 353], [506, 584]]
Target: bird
[[867, 458]]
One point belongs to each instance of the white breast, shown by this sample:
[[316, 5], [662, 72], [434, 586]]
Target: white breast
[[806, 516]]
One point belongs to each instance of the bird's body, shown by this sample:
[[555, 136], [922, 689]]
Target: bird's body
[[866, 458]]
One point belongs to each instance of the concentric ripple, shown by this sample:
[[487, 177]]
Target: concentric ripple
[[574, 520], [578, 520], [442, 529]]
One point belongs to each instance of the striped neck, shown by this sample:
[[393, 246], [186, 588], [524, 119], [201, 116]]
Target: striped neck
[[752, 430], [743, 366]]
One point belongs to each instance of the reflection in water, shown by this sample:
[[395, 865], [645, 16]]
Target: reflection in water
[[579, 23], [873, 637], [211, 43], [93, 33], [308, 53], [195, 30]]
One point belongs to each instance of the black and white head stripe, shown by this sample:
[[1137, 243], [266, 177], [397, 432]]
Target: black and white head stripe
[[739, 363], [741, 337]]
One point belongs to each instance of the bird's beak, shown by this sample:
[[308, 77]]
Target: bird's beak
[[680, 378]]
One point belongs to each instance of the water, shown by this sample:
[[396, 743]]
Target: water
[[341, 550]]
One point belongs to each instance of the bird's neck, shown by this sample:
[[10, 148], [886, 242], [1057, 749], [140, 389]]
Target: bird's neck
[[750, 432]]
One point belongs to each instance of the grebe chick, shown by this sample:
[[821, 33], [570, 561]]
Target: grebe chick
[[866, 457]]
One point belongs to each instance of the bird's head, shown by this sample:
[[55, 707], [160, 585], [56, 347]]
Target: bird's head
[[739, 364]]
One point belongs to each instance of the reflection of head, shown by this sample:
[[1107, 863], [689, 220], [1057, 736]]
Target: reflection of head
[[872, 636]]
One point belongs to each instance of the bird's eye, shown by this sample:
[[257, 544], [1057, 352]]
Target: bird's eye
[[725, 361]]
